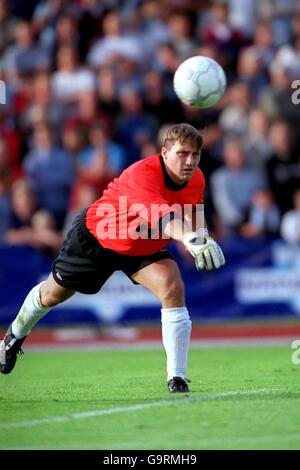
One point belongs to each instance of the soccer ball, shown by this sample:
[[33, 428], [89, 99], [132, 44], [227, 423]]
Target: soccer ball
[[199, 81]]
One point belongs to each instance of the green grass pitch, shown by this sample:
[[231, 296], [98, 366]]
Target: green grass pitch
[[241, 398]]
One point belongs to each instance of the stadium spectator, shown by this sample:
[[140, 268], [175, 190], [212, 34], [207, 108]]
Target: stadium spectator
[[242, 16], [149, 148], [51, 171], [210, 162], [83, 198], [182, 37], [250, 71], [29, 225], [156, 103], [263, 43], [88, 14], [73, 140], [107, 91], [87, 112], [95, 173], [7, 26], [290, 225], [70, 79], [99, 141], [23, 206], [256, 141], [233, 186], [128, 75], [45, 237], [281, 166], [166, 62], [25, 56], [134, 126], [153, 28], [234, 118], [280, 14], [115, 43], [66, 34], [264, 216], [45, 17], [41, 105], [221, 34], [276, 99]]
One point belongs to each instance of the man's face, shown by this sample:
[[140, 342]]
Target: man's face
[[181, 161]]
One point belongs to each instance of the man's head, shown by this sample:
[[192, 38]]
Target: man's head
[[181, 152], [234, 154]]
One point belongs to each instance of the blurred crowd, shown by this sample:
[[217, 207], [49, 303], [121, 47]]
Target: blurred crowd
[[89, 91]]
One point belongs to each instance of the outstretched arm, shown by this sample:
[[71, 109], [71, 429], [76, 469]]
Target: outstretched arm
[[202, 247]]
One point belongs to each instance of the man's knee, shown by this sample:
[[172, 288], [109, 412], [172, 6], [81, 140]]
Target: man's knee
[[48, 298], [172, 289], [51, 294]]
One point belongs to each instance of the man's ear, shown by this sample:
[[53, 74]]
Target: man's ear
[[163, 152]]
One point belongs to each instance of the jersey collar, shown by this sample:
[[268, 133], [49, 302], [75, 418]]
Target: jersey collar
[[170, 184]]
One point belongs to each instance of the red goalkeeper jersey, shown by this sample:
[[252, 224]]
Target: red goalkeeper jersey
[[128, 217]]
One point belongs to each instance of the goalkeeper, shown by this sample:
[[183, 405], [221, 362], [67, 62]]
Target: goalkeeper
[[128, 229]]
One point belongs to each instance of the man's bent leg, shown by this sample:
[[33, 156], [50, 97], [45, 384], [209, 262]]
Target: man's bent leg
[[163, 279], [37, 303]]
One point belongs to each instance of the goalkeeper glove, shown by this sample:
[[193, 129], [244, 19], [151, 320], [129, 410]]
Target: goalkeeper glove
[[206, 251]]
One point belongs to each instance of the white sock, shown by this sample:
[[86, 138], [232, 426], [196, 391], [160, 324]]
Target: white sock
[[176, 331], [29, 314]]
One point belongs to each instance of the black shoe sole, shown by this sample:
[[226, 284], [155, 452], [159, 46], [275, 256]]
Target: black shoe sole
[[180, 391], [8, 367]]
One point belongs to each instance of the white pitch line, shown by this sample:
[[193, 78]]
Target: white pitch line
[[143, 406]]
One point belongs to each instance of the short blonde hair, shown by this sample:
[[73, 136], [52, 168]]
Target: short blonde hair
[[181, 133]]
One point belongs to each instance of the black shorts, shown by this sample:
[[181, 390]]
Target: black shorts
[[84, 265]]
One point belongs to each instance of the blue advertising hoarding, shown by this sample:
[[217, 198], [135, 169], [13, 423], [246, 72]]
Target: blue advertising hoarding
[[260, 278]]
